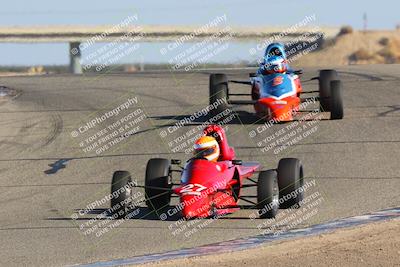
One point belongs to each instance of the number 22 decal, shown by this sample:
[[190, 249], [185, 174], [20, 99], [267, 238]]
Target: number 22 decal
[[192, 189]]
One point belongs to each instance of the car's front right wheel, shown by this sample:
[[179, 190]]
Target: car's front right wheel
[[121, 188], [290, 181], [267, 194]]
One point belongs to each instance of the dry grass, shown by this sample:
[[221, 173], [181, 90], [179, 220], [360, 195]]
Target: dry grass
[[384, 41], [391, 51], [346, 30], [362, 54]]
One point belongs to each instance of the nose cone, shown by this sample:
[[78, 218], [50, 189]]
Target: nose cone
[[202, 179], [196, 206], [280, 110]]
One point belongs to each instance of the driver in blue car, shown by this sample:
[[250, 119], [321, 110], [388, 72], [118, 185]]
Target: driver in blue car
[[274, 77], [274, 55]]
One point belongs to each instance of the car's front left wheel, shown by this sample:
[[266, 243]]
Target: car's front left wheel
[[158, 183]]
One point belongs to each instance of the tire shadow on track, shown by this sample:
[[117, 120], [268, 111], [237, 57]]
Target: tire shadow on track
[[144, 213], [241, 117]]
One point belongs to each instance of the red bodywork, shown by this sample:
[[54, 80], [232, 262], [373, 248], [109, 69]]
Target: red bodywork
[[277, 109], [213, 188]]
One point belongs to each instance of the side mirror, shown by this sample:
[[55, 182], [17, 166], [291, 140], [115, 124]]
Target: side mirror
[[236, 162], [175, 161]]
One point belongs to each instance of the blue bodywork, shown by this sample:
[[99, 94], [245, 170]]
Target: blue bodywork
[[271, 88]]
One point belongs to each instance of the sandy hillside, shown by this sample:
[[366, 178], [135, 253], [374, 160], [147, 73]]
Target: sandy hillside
[[372, 47]]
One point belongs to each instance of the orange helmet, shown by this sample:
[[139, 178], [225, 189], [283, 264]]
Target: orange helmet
[[207, 147]]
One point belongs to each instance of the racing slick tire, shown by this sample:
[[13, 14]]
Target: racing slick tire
[[121, 191], [290, 182], [218, 93], [158, 175], [267, 194], [336, 100], [325, 78]]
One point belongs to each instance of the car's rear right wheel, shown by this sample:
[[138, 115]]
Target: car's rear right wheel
[[336, 100], [325, 78]]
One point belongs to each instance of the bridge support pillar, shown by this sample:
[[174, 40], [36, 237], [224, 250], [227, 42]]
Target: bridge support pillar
[[75, 58]]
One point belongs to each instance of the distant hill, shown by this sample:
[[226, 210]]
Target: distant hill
[[356, 47]]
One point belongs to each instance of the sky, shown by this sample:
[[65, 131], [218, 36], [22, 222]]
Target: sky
[[381, 15]]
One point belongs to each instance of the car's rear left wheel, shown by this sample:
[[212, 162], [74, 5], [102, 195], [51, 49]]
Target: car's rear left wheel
[[325, 78], [336, 100], [218, 93]]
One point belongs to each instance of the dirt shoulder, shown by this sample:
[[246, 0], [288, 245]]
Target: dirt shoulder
[[376, 244]]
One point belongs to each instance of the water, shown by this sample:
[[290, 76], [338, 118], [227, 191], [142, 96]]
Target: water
[[147, 52]]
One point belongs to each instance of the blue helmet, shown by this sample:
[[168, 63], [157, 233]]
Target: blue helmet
[[275, 49], [275, 64]]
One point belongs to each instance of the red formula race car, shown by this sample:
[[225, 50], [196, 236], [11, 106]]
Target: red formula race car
[[277, 96], [208, 188]]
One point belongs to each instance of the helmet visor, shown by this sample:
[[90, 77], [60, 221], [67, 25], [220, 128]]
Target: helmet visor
[[275, 52], [204, 152]]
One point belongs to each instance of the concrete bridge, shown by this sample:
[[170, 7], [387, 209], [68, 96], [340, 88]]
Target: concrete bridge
[[81, 36]]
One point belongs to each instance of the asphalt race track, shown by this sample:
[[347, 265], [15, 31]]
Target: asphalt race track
[[46, 177]]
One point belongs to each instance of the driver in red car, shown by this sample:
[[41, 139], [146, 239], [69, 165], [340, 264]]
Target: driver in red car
[[213, 145], [207, 147]]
